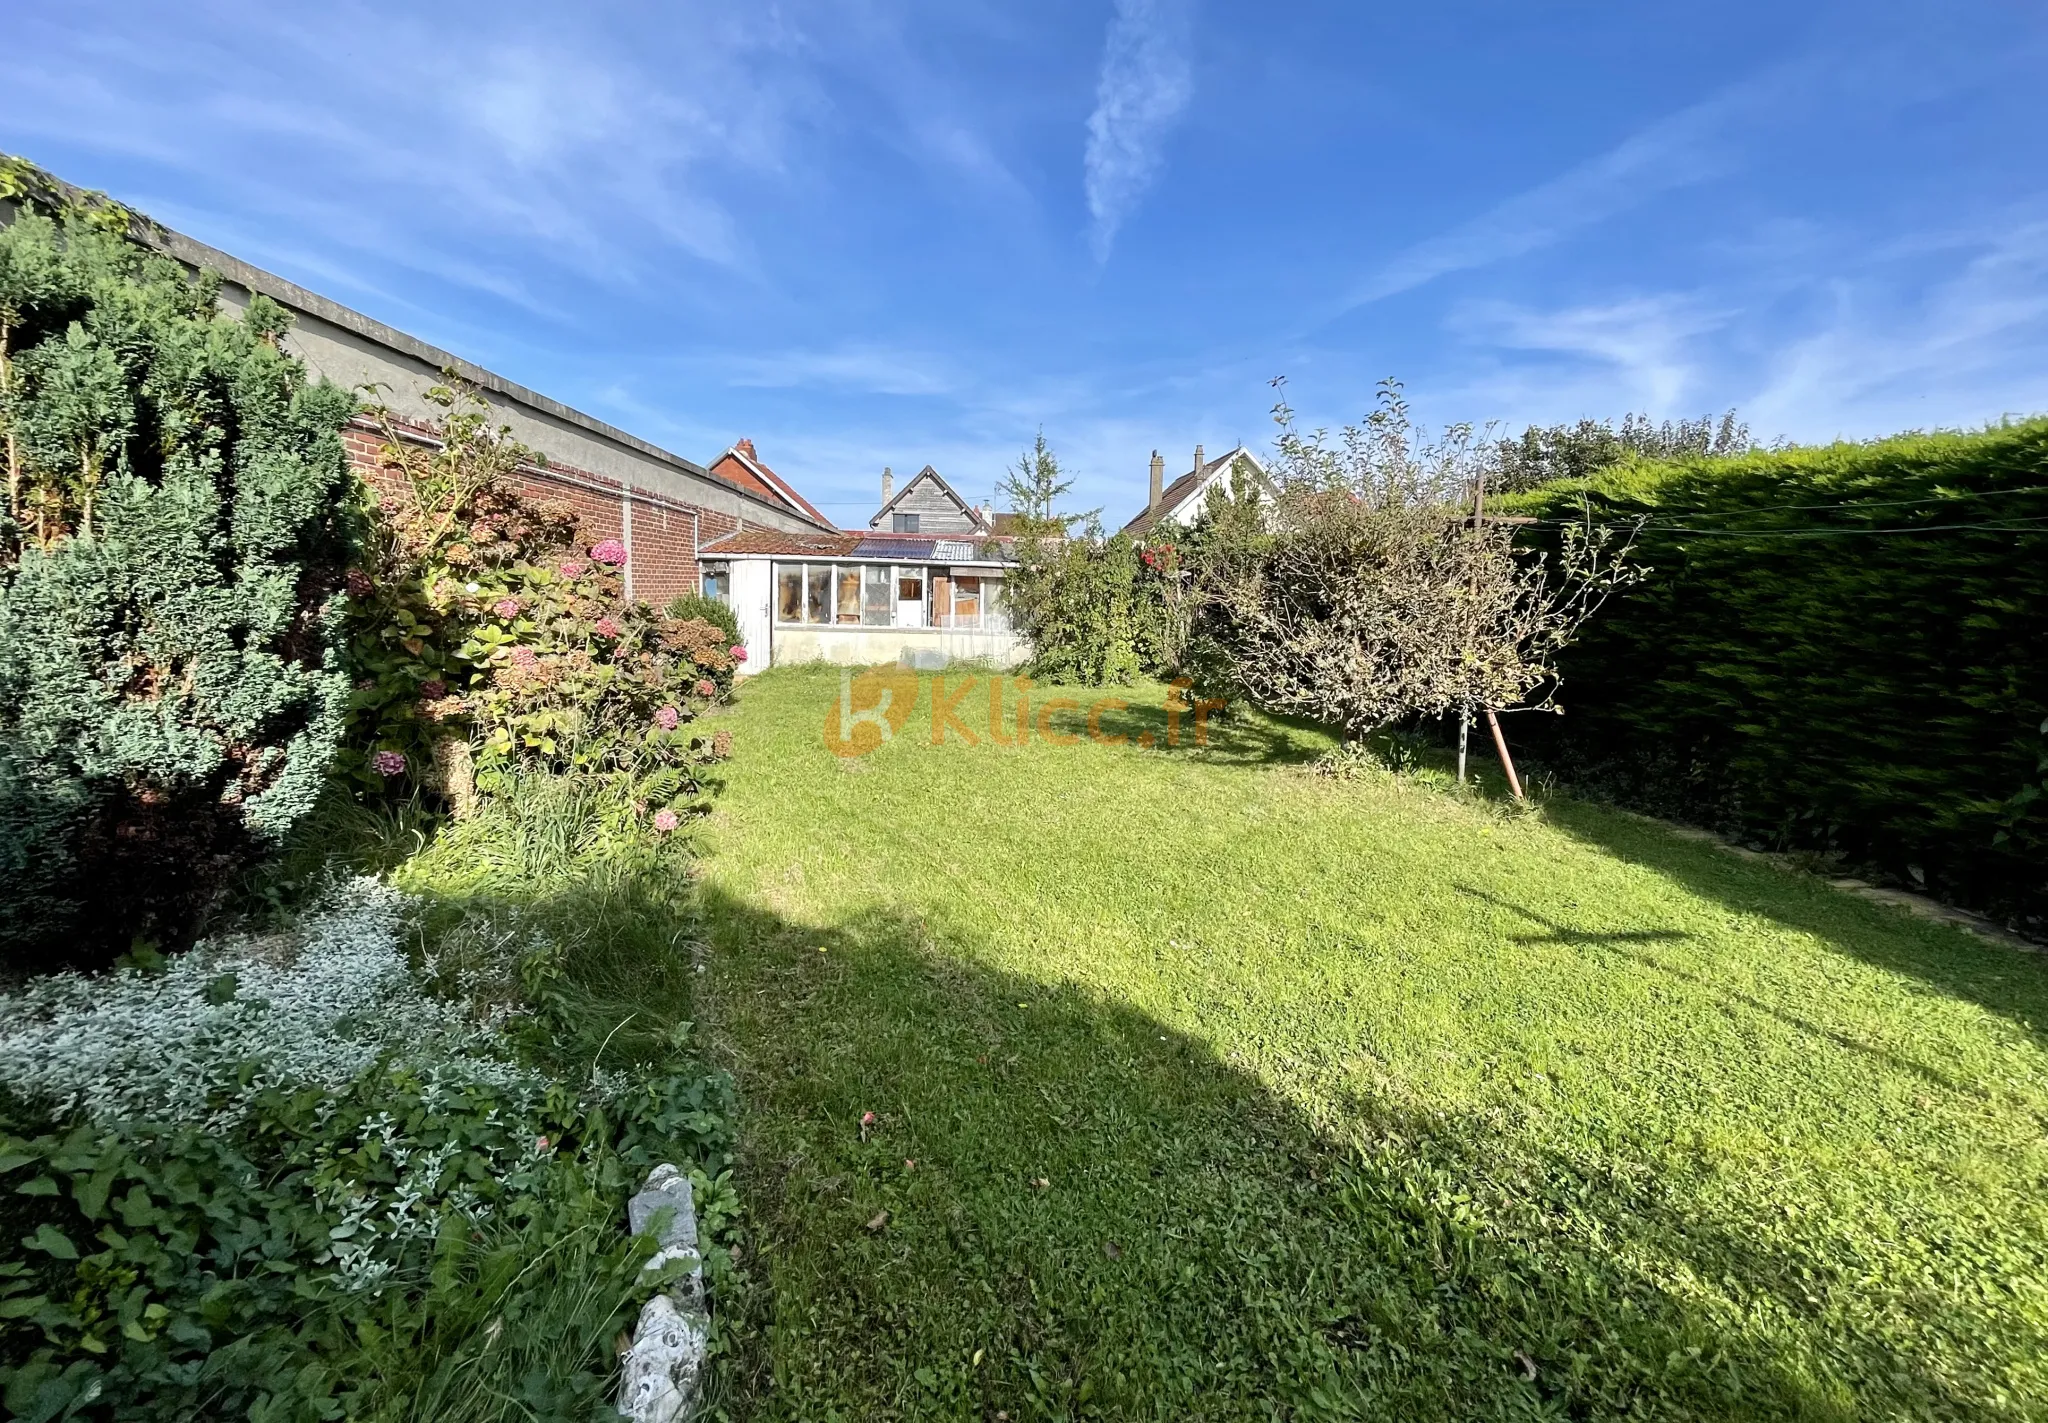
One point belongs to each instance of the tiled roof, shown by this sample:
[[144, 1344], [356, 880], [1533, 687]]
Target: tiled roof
[[1183, 489], [742, 465], [773, 541]]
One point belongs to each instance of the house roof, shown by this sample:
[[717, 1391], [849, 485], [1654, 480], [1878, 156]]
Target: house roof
[[950, 492], [893, 548], [1188, 487], [741, 465]]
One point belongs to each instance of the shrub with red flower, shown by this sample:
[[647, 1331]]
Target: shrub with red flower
[[388, 763], [666, 820], [737, 652], [706, 687], [483, 624]]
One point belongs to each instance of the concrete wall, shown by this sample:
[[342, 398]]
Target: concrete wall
[[921, 647]]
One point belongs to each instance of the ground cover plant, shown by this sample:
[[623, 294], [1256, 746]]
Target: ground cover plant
[[1841, 649], [1104, 1081], [369, 1161]]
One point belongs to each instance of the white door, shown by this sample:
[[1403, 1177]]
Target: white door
[[909, 597]]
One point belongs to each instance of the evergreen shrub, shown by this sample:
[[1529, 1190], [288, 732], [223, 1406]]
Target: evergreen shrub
[[1841, 648], [170, 550]]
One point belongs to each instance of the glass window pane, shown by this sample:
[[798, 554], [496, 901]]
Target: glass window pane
[[848, 608], [966, 600], [789, 592], [818, 593], [903, 523], [879, 609], [718, 581], [995, 607]]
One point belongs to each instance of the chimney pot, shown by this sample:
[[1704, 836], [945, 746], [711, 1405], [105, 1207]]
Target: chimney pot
[[1158, 480], [745, 446]]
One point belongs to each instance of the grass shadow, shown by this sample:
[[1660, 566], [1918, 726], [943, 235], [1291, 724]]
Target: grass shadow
[[976, 1195], [2000, 979]]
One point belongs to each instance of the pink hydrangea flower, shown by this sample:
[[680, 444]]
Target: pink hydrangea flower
[[571, 568], [525, 657], [388, 763], [433, 689], [739, 654], [666, 820], [667, 718], [506, 607], [607, 628], [610, 551], [706, 687]]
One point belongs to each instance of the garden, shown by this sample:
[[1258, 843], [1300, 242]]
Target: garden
[[1280, 1005]]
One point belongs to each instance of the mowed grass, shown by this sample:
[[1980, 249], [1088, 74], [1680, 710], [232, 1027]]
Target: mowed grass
[[1205, 1087]]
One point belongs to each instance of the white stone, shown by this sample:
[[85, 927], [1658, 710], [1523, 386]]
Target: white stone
[[663, 1369]]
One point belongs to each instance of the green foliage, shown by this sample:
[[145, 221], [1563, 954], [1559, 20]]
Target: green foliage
[[1842, 648], [1545, 453], [1034, 488], [1093, 608], [696, 607], [170, 695], [478, 618], [189, 1274]]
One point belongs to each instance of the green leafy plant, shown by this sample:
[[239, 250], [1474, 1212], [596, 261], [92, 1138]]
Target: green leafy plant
[[170, 551], [486, 638], [1844, 648]]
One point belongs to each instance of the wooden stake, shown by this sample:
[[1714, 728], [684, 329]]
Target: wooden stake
[[1507, 762]]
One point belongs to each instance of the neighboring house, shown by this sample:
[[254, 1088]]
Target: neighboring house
[[1180, 503], [928, 505], [742, 466], [861, 598]]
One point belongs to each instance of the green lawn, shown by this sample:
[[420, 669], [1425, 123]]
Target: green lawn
[[1234, 1091]]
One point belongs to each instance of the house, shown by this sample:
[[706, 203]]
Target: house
[[920, 595], [741, 465], [928, 505], [1179, 504]]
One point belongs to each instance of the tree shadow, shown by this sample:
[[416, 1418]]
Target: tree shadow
[[1238, 737], [1063, 1208], [2000, 979]]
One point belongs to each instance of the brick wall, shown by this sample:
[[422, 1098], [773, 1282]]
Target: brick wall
[[661, 543]]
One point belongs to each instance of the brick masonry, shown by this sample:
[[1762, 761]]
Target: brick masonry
[[661, 534]]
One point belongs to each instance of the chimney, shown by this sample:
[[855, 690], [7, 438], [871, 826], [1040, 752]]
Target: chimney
[[1198, 461], [745, 447], [888, 484], [1158, 480]]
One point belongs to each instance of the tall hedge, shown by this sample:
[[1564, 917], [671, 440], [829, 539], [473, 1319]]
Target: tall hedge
[[1839, 648], [171, 550]]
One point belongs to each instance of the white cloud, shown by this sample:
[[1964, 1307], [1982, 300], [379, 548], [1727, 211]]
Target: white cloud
[[1638, 352], [1691, 146], [856, 367], [1145, 83]]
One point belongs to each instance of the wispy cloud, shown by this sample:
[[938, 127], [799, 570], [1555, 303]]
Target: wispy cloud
[[1145, 83], [857, 368], [1692, 146], [1643, 351]]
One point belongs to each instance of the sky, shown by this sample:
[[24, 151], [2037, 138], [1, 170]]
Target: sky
[[892, 232]]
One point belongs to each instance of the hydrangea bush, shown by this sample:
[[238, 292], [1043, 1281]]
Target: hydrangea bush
[[485, 626]]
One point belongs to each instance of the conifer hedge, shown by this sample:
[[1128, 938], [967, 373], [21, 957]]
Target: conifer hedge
[[171, 550], [1842, 648]]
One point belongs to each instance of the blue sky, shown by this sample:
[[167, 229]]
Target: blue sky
[[891, 232]]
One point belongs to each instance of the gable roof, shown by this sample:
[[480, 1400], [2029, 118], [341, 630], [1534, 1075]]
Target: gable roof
[[948, 490], [741, 465], [891, 548], [1190, 487]]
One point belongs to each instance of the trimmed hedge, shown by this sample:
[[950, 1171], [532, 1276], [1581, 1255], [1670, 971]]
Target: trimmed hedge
[[1841, 648]]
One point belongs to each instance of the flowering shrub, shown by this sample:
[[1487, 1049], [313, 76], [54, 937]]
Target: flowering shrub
[[481, 619]]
